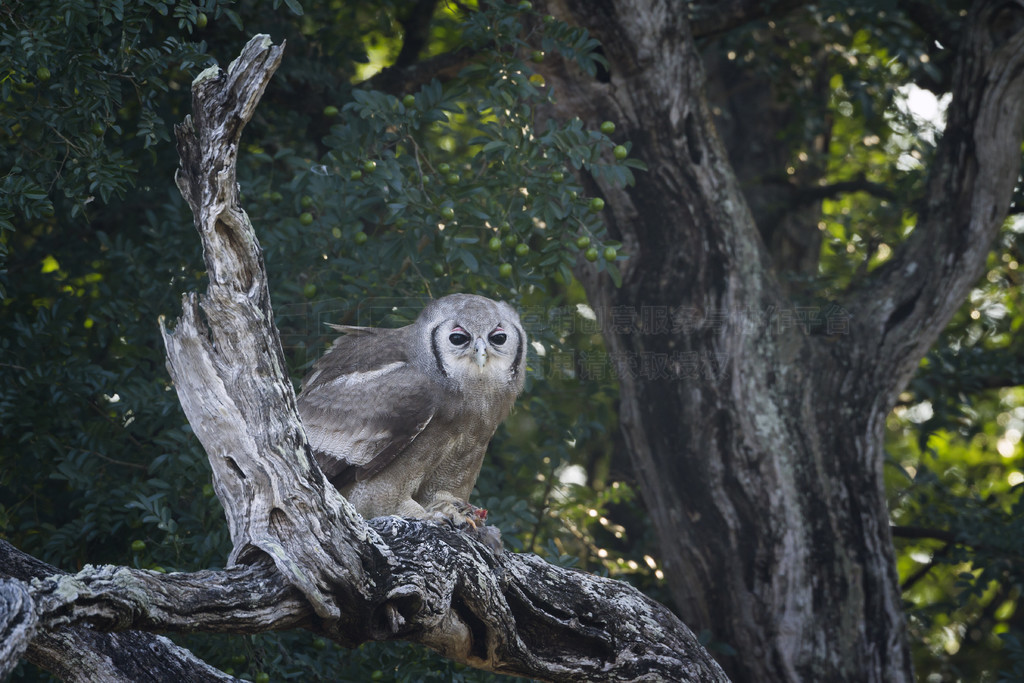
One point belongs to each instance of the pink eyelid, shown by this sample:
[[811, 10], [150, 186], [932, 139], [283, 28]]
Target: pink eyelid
[[458, 328]]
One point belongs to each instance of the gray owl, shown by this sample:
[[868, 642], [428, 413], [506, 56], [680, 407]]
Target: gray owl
[[399, 419]]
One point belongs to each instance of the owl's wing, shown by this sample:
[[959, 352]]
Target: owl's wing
[[364, 403]]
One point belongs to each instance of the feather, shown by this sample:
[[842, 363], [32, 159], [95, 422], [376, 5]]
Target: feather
[[399, 419]]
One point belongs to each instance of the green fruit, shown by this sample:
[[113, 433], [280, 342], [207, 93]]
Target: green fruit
[[505, 226], [319, 644], [361, 237], [336, 232], [537, 56], [276, 196], [158, 568], [98, 128], [330, 111], [43, 74], [238, 659], [306, 218], [447, 213], [202, 20], [262, 677], [452, 179], [607, 127], [208, 490], [522, 249], [494, 244], [505, 270], [355, 175], [590, 254], [582, 241], [511, 240], [369, 166], [596, 204], [306, 201], [620, 152], [444, 168], [557, 176], [309, 291], [138, 545], [438, 269], [525, 5], [537, 80], [409, 100], [610, 253]]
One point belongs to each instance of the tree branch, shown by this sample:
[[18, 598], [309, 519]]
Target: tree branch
[[815, 193], [904, 305], [416, 30], [83, 654], [923, 532], [712, 18], [924, 569], [405, 78]]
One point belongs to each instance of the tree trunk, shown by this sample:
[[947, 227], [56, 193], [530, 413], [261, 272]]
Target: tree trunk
[[755, 426]]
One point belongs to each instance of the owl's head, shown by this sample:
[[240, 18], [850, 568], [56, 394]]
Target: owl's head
[[474, 343]]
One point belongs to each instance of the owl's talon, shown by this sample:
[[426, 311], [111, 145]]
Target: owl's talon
[[468, 518], [458, 512]]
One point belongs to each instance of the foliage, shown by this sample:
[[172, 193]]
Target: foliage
[[366, 201]]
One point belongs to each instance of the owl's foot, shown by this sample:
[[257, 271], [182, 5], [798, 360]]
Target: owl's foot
[[458, 512], [468, 518]]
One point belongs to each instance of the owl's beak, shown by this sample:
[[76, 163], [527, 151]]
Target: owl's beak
[[480, 352]]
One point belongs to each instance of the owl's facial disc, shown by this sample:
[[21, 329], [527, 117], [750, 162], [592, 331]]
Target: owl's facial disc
[[459, 338]]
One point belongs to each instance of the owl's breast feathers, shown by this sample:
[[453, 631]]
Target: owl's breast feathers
[[366, 402]]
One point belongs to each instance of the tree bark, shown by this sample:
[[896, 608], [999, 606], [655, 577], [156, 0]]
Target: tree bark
[[79, 653], [755, 426], [301, 555]]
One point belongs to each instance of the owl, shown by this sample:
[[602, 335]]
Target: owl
[[399, 419]]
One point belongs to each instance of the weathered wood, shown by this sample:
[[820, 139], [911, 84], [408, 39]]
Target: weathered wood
[[511, 613], [17, 623], [229, 369], [81, 654]]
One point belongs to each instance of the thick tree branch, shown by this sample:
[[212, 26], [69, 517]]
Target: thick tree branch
[[86, 655], [906, 303], [516, 613]]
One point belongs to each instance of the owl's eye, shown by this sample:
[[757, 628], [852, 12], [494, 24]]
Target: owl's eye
[[499, 338], [458, 338]]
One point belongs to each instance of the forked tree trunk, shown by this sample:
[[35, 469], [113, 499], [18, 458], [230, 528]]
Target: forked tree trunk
[[755, 426]]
